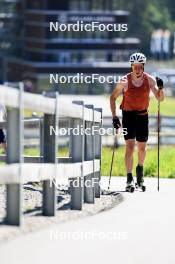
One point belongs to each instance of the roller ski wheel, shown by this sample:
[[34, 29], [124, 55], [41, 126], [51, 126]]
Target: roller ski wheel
[[130, 189], [140, 181], [130, 183], [141, 187]]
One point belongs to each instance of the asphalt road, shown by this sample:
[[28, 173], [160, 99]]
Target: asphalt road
[[140, 230]]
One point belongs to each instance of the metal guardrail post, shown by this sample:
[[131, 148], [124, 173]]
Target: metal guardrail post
[[15, 155], [50, 156], [41, 139], [77, 155], [89, 190], [98, 148]]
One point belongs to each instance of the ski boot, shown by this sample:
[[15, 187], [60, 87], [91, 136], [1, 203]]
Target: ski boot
[[140, 181], [130, 183]]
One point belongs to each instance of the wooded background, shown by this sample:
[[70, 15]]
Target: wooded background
[[146, 16]]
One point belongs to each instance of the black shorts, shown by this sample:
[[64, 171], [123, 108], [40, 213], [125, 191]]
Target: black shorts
[[2, 137], [136, 125]]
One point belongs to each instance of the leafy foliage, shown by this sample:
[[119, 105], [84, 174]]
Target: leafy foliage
[[146, 16]]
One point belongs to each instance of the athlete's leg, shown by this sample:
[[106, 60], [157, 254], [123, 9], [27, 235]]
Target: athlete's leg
[[139, 169], [4, 146], [142, 137], [3, 140], [130, 144], [141, 152]]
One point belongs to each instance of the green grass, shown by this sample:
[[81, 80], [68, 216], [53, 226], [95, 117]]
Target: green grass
[[167, 107], [167, 154], [63, 152], [167, 168], [28, 113]]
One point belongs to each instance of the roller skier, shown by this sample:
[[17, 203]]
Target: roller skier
[[135, 87]]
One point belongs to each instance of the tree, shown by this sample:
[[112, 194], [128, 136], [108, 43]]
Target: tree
[[146, 16]]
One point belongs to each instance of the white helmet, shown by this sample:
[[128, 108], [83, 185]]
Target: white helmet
[[137, 58]]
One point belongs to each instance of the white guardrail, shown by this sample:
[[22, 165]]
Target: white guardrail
[[82, 166]]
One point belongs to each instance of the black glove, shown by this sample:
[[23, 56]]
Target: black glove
[[116, 122], [159, 83]]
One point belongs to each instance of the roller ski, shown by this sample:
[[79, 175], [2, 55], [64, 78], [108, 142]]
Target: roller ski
[[130, 183], [140, 181]]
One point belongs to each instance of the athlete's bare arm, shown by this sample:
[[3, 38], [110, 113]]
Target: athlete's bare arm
[[159, 94], [116, 92]]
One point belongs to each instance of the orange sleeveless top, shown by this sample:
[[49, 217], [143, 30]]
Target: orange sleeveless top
[[136, 98]]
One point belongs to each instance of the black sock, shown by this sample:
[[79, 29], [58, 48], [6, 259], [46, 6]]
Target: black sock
[[129, 176], [138, 165], [139, 172]]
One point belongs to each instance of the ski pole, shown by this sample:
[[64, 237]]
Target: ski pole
[[158, 141], [112, 162], [160, 87]]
